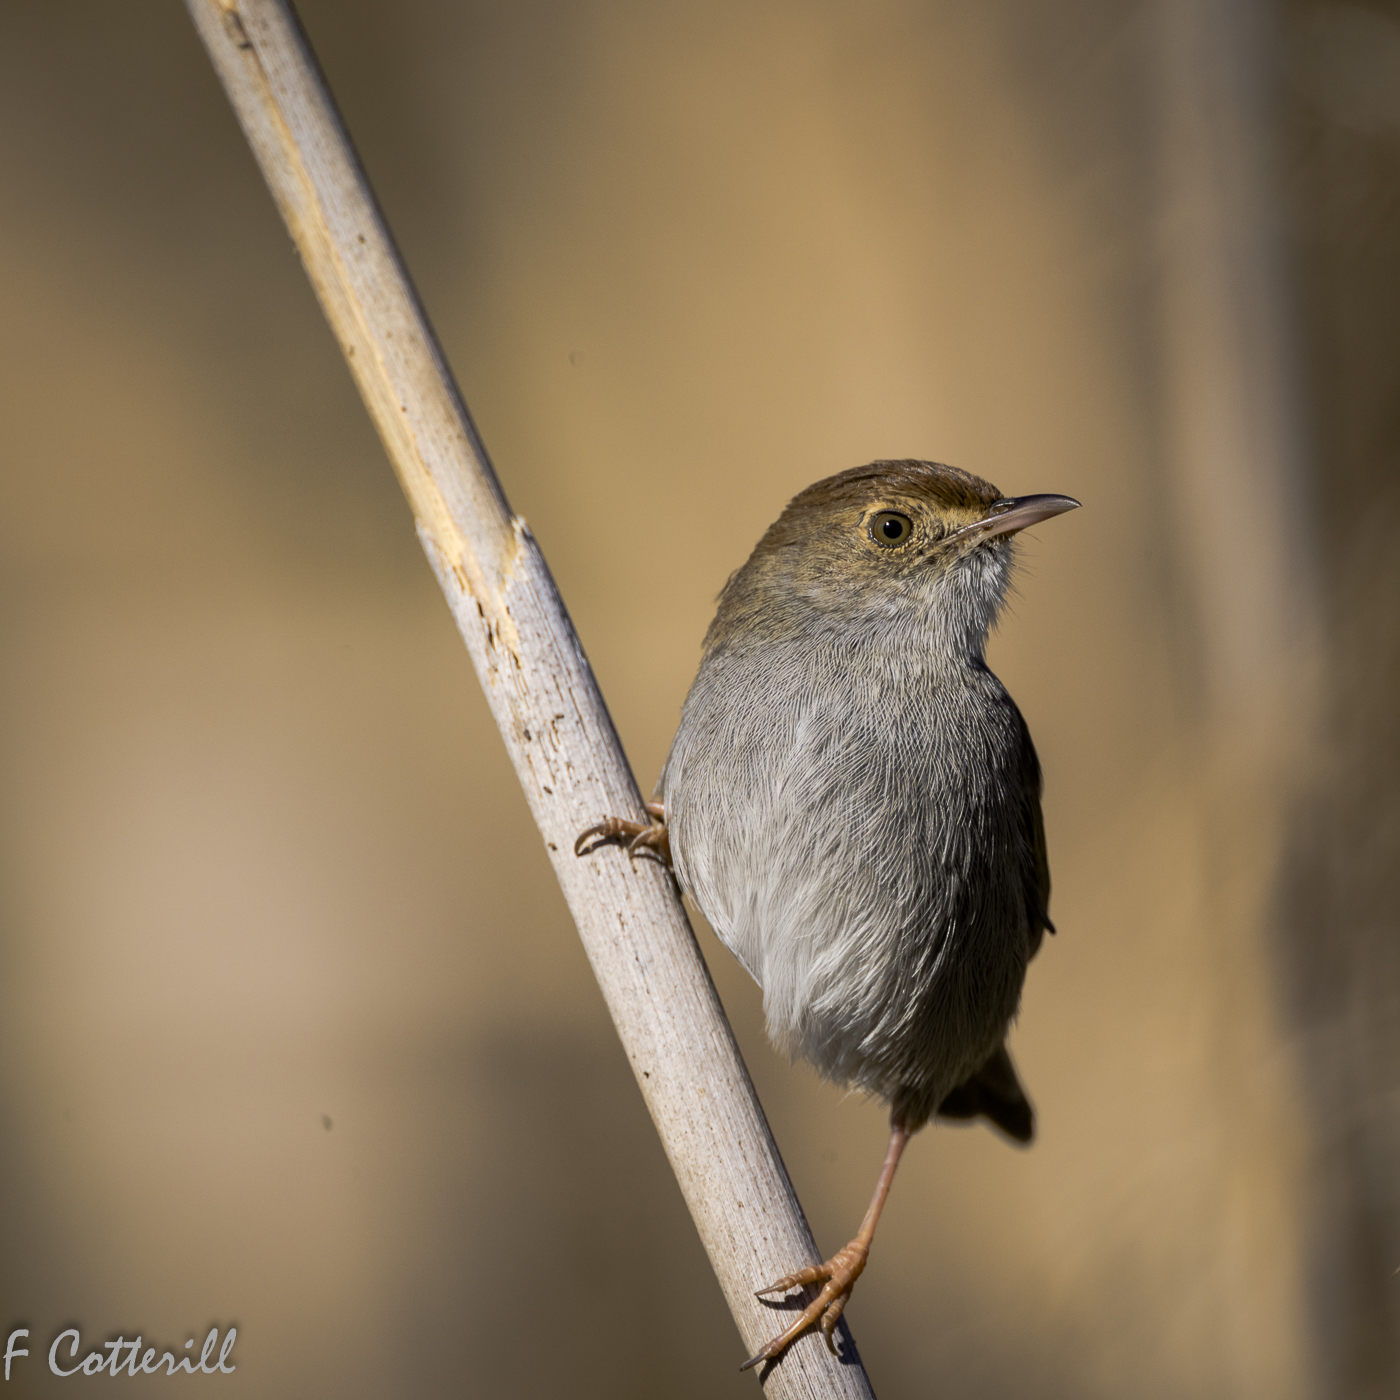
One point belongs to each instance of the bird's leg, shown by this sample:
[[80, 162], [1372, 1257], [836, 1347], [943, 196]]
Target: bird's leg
[[636, 836], [840, 1272]]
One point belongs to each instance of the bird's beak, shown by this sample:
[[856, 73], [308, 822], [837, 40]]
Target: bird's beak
[[1007, 517]]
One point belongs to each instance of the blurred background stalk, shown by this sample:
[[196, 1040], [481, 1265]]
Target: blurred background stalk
[[1238, 466], [1338, 894]]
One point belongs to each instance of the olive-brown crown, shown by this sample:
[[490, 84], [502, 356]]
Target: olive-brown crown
[[875, 540], [944, 498]]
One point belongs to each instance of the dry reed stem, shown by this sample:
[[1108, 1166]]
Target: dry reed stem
[[538, 682]]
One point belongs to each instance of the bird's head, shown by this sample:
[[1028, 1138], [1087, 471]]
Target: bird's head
[[901, 550]]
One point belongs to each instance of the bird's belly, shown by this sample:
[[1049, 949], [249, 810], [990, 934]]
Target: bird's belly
[[866, 875]]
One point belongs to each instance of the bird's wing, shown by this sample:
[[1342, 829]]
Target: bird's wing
[[1037, 871]]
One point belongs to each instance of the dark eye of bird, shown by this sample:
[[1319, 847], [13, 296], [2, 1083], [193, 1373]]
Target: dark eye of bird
[[889, 527]]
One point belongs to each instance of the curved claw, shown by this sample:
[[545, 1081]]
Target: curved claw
[[653, 838], [609, 830], [829, 1320], [840, 1272], [636, 836], [815, 1274]]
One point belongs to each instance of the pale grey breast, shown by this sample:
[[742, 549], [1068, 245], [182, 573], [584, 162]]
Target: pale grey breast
[[849, 825]]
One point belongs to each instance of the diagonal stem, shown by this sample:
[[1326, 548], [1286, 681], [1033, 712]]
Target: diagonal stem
[[530, 663]]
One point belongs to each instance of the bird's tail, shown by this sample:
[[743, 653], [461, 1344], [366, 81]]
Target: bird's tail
[[996, 1094]]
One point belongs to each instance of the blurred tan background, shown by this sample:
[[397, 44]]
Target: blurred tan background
[[295, 1034]]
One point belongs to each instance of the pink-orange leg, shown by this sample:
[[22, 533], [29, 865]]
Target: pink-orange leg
[[839, 1273], [636, 836]]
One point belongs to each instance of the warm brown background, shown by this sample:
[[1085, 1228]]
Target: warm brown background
[[294, 1030]]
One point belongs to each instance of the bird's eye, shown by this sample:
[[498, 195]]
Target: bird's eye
[[889, 528]]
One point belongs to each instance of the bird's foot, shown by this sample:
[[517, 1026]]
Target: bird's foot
[[838, 1275], [649, 836]]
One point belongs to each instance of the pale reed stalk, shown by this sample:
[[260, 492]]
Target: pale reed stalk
[[537, 680]]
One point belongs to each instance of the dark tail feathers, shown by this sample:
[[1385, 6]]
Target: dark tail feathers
[[994, 1093]]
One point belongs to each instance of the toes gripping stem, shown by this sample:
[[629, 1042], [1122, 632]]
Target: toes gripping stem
[[636, 836]]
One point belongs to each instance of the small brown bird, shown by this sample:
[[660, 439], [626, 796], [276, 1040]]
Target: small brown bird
[[853, 800]]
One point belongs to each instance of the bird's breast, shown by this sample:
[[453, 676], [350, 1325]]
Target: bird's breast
[[849, 833]]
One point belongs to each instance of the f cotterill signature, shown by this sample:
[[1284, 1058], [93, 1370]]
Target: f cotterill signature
[[95, 1362]]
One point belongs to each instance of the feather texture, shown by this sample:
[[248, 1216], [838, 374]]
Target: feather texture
[[853, 798]]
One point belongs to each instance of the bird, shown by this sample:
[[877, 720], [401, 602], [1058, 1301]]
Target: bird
[[853, 801]]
